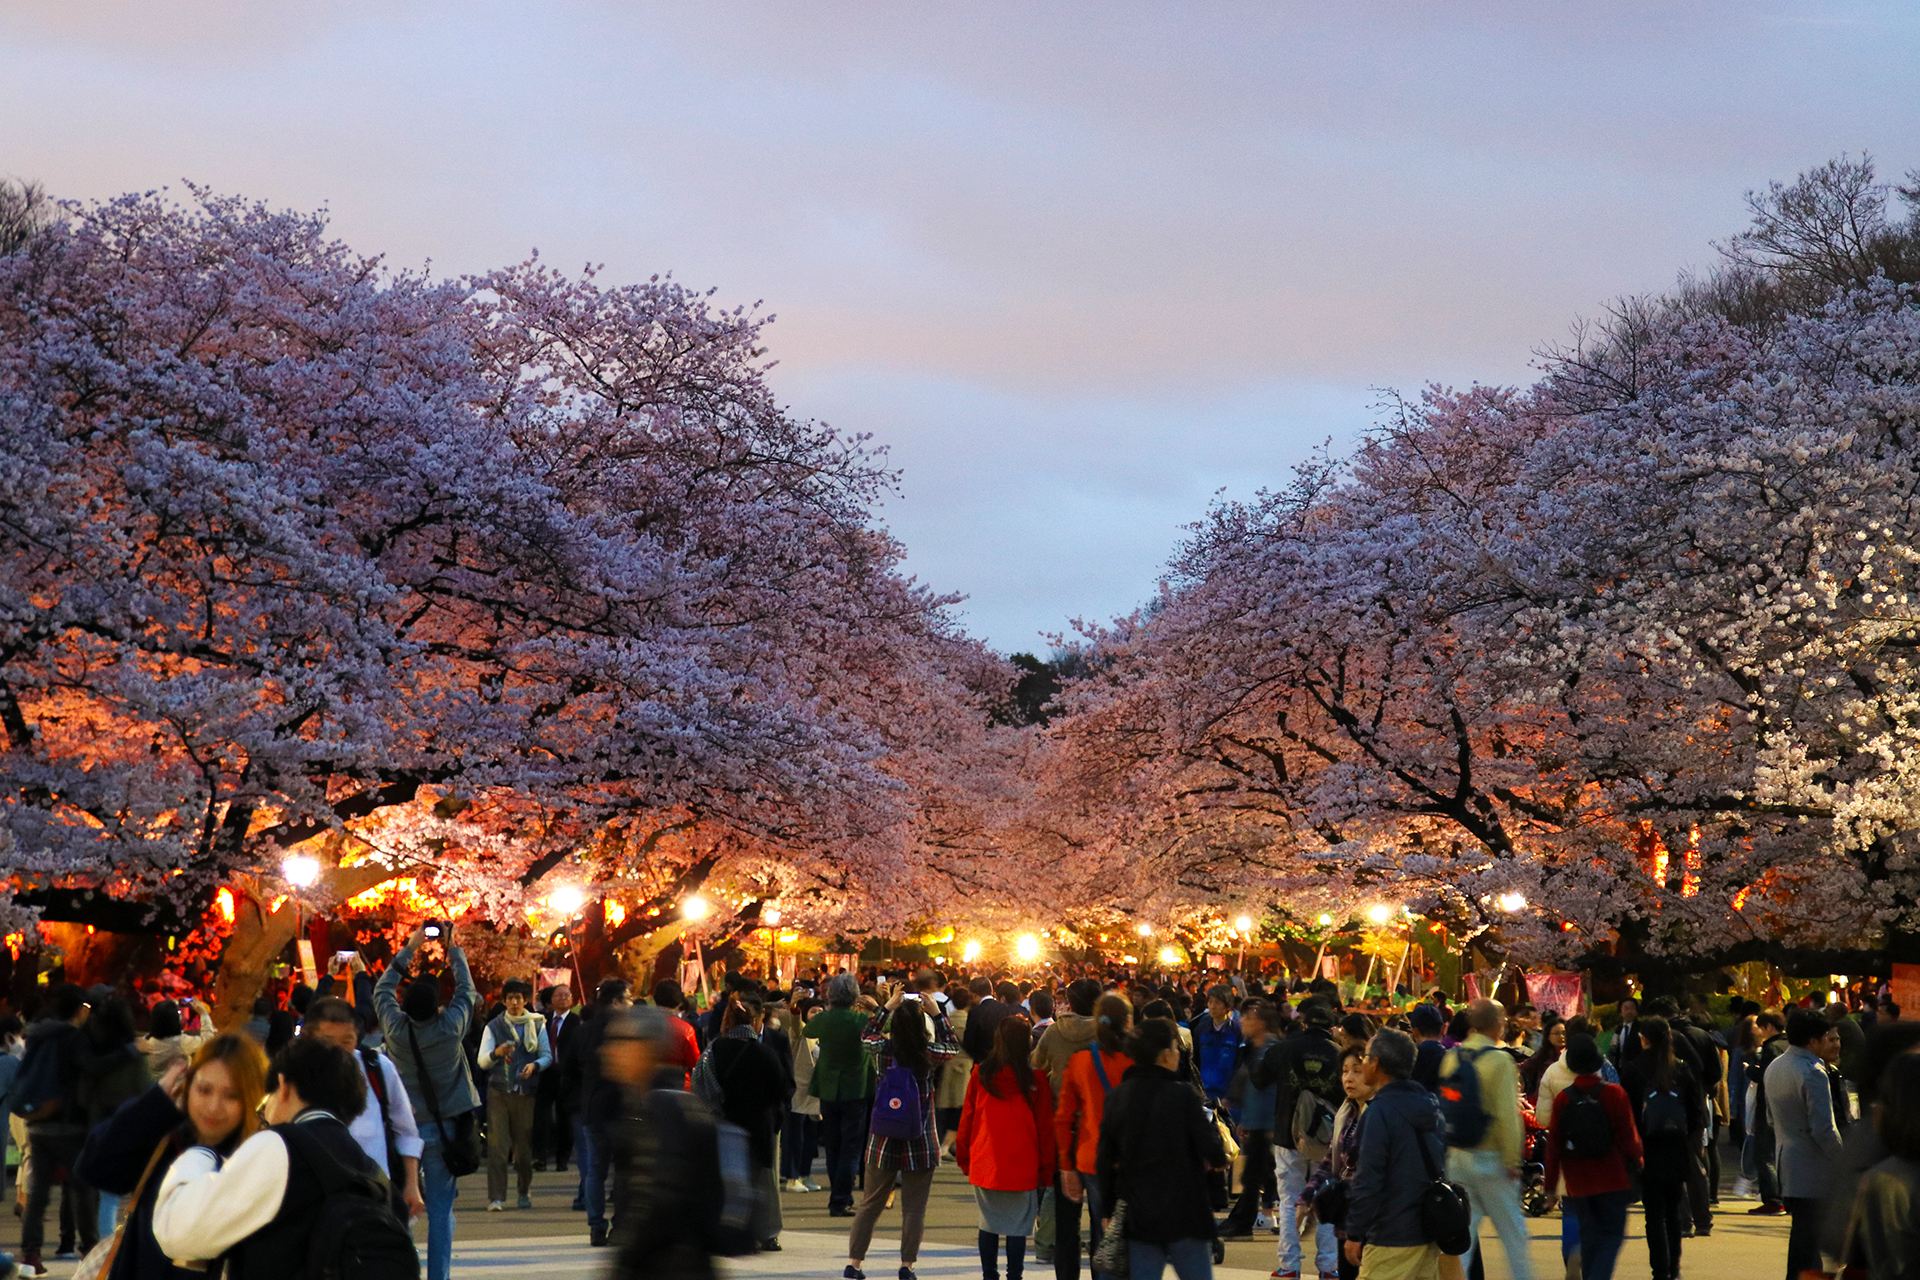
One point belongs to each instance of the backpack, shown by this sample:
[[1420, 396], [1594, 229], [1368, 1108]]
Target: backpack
[[896, 1105], [1463, 1121], [1584, 1124], [1312, 1125], [718, 1177], [38, 1092], [1663, 1115], [356, 1235]]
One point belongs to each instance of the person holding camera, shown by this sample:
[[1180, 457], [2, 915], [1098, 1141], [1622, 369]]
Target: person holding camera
[[425, 1041]]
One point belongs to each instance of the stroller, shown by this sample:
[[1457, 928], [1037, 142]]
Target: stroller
[[1533, 1165]]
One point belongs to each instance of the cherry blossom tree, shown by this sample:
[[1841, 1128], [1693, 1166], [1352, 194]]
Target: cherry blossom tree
[[456, 578], [1632, 644]]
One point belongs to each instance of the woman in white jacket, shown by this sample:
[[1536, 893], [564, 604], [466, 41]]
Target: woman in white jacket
[[800, 1136]]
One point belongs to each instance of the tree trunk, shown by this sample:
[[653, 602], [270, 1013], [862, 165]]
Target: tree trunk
[[260, 935]]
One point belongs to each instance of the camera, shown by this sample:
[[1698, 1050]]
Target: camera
[[434, 929]]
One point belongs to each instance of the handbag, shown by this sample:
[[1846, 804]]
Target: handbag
[[98, 1263], [461, 1152], [1330, 1205], [1110, 1258], [1446, 1215]]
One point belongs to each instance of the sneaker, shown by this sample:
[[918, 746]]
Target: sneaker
[[526, 1202], [596, 1236], [770, 1245], [809, 1184], [853, 1273], [906, 1273], [496, 1206], [1261, 1222], [1767, 1210], [31, 1266], [1743, 1188], [539, 1166], [840, 1211], [794, 1185], [1285, 1275]]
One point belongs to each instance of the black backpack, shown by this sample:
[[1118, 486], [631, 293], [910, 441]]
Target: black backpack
[[1463, 1120], [1584, 1125], [356, 1235], [1664, 1115]]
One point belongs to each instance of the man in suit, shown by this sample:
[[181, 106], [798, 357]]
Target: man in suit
[[1626, 1040], [554, 1103], [983, 1019], [1806, 1137]]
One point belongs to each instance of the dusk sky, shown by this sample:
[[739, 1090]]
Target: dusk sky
[[1079, 267]]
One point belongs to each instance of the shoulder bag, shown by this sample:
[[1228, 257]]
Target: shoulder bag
[[1446, 1216], [98, 1264], [461, 1150]]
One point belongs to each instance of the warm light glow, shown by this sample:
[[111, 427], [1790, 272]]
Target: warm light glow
[[1169, 956], [1512, 902], [970, 952], [223, 903], [789, 937], [1325, 920], [567, 899], [1028, 948], [1145, 931], [1244, 924], [771, 915], [1380, 913], [300, 871], [695, 908], [616, 914], [403, 893], [279, 900]]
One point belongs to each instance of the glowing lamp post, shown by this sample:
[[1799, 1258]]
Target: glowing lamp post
[[1245, 925], [772, 916], [1027, 948], [970, 952], [1169, 957], [567, 901], [302, 872], [694, 910]]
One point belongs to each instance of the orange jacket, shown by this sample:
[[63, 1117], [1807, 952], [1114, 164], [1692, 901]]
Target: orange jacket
[[1076, 1121], [1006, 1143]]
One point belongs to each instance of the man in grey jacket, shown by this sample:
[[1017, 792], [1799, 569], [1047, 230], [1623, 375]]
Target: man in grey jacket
[[1807, 1141], [426, 1043]]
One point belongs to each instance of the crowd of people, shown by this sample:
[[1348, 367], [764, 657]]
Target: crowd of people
[[1099, 1115]]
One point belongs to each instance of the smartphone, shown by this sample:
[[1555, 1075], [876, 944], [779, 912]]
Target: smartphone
[[343, 957]]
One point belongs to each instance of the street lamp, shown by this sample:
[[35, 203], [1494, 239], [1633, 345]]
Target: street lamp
[[567, 900], [1145, 931], [300, 871], [1512, 902], [695, 908], [1245, 925], [1028, 948], [1380, 913], [1169, 957], [772, 916], [970, 952]]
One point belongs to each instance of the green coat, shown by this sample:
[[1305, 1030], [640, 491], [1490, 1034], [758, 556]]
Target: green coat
[[842, 1071]]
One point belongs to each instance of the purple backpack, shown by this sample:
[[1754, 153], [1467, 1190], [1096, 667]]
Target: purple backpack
[[896, 1105]]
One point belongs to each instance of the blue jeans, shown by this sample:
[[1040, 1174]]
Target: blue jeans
[[1291, 1173], [1191, 1259], [437, 1188], [109, 1212], [1603, 1229], [593, 1153]]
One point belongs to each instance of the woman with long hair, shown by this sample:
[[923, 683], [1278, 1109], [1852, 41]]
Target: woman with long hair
[[1090, 1076], [913, 1037], [750, 1083], [1552, 1044], [1006, 1144], [211, 1101], [1670, 1109]]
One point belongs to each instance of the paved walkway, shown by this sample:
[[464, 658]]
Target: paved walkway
[[551, 1241]]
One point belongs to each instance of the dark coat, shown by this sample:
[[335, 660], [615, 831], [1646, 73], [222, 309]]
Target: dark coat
[[1669, 1154], [753, 1087], [1156, 1145], [115, 1156], [1383, 1201], [662, 1187], [558, 1083]]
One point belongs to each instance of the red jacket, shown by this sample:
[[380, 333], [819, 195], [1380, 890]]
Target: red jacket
[[684, 1050], [1604, 1173], [1083, 1102], [1006, 1143]]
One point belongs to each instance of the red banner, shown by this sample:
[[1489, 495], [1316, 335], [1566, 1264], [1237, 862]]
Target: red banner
[[1561, 992]]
